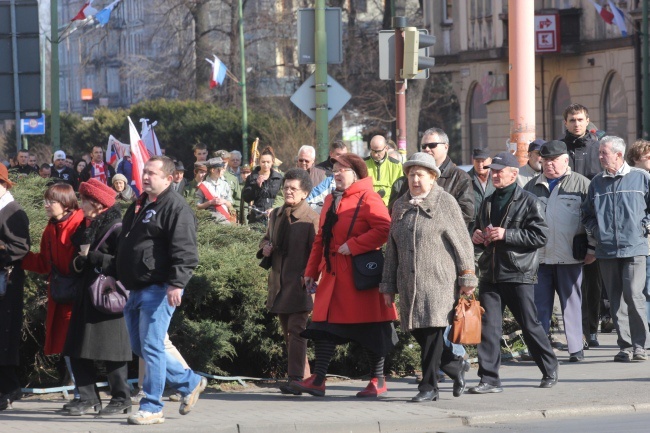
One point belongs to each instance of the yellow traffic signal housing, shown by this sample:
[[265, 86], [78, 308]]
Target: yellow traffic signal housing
[[413, 42]]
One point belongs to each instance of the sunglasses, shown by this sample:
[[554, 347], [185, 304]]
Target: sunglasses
[[430, 145]]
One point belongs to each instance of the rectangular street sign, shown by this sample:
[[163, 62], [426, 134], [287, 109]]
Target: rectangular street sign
[[306, 30], [33, 126]]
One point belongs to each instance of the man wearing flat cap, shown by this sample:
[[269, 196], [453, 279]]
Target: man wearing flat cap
[[534, 165], [561, 191], [511, 229]]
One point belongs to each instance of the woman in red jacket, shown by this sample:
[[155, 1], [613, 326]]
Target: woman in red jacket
[[56, 248], [341, 312]]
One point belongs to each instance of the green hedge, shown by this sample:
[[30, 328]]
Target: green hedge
[[222, 327]]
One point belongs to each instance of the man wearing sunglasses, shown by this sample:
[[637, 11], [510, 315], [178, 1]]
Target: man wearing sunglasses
[[452, 179], [383, 169], [305, 160]]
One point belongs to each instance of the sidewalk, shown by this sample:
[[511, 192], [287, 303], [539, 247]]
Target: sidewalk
[[596, 386]]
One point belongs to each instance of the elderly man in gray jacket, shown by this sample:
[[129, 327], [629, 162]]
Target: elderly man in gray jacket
[[616, 213], [561, 191]]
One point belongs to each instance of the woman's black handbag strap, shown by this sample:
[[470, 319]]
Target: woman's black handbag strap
[[354, 217]]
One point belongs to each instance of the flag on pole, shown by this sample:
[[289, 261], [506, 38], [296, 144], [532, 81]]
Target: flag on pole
[[139, 155], [115, 151], [218, 72], [603, 12], [149, 137], [104, 15], [619, 18], [86, 11]]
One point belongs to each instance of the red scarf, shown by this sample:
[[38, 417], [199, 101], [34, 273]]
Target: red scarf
[[99, 173]]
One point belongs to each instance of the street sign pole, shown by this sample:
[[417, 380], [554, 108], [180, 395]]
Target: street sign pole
[[399, 23], [55, 120], [242, 83], [322, 132], [14, 48]]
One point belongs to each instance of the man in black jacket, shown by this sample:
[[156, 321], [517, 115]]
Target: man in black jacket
[[97, 168], [452, 179], [62, 171], [156, 257], [511, 227], [582, 146]]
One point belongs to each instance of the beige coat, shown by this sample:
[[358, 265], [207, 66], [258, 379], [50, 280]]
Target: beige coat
[[427, 252], [286, 293]]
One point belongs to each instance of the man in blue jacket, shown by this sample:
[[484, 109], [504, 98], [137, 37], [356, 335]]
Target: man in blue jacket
[[616, 214], [156, 257]]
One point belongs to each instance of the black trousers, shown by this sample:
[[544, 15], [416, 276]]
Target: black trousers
[[85, 375], [520, 299], [592, 287], [8, 379], [435, 355]]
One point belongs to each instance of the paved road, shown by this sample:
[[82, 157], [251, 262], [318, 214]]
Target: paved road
[[597, 386]]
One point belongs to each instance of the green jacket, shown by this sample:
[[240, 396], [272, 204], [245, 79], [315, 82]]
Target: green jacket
[[384, 174]]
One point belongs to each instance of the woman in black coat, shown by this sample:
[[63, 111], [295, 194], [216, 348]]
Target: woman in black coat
[[263, 189], [94, 335], [14, 244]]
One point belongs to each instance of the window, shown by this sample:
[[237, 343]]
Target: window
[[113, 80], [615, 104], [478, 126], [447, 12], [560, 100]]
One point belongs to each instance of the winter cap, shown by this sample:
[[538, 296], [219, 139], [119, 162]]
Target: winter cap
[[503, 160], [421, 159], [480, 154], [535, 145], [59, 154], [97, 191], [121, 177], [355, 162], [552, 149]]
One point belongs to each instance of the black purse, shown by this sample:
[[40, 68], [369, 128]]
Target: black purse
[[64, 289], [368, 267]]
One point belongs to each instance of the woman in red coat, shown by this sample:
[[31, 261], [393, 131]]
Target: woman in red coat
[[341, 312], [56, 247]]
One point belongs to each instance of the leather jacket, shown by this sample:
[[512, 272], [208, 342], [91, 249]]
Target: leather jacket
[[515, 258]]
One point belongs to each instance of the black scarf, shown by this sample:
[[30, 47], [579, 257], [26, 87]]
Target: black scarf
[[100, 225], [330, 219], [282, 227]]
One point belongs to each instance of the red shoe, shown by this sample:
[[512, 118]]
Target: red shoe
[[308, 386], [371, 390]]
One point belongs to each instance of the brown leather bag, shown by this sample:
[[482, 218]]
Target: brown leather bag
[[466, 328]]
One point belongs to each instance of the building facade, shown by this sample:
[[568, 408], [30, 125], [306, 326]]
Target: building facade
[[597, 67]]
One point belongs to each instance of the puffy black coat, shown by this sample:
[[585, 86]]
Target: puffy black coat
[[515, 258], [583, 154]]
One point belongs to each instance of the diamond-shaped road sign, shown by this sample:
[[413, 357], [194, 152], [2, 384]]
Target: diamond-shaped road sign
[[305, 97]]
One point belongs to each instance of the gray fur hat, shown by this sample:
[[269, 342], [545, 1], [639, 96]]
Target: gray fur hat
[[423, 160]]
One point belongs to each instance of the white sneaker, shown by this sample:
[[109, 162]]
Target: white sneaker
[[142, 417], [188, 402], [139, 396]]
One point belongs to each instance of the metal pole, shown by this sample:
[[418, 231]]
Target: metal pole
[[14, 60], [242, 83], [646, 86], [400, 84], [55, 120], [322, 105]]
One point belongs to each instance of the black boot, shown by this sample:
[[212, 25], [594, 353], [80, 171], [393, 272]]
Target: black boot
[[84, 406], [116, 406]]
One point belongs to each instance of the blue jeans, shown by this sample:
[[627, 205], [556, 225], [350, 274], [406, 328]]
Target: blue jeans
[[147, 315]]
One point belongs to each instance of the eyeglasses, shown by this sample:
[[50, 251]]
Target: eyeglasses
[[430, 145], [378, 151], [304, 161], [341, 170]]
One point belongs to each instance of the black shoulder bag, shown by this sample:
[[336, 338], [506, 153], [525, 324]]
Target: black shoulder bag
[[367, 267]]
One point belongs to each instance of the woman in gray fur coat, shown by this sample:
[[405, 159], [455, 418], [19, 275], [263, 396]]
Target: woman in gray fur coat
[[429, 255]]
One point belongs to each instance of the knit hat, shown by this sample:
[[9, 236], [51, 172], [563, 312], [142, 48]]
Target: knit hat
[[350, 160], [97, 191], [119, 176], [59, 154], [421, 159]]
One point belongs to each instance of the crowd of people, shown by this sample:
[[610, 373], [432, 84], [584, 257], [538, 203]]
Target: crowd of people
[[572, 221]]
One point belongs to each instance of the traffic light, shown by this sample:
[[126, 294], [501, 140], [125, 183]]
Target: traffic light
[[413, 42]]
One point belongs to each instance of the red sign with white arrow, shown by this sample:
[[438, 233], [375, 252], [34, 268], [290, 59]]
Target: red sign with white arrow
[[547, 33]]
